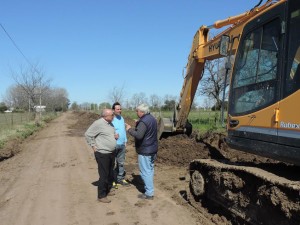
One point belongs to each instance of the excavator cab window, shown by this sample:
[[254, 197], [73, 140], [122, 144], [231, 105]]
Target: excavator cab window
[[254, 76], [292, 79]]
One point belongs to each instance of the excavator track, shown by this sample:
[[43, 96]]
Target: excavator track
[[250, 195]]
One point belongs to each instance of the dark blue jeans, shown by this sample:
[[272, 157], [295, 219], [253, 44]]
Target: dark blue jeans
[[106, 164], [119, 171]]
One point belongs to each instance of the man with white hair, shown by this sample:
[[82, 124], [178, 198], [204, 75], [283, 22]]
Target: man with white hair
[[146, 144]]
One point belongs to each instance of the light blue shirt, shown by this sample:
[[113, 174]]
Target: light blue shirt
[[119, 125]]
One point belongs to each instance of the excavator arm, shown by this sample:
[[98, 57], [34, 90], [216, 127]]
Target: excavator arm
[[204, 48]]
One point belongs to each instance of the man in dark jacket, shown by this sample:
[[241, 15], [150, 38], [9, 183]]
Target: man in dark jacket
[[146, 144]]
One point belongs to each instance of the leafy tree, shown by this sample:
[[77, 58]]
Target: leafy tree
[[104, 105], [94, 106], [169, 98], [169, 105], [56, 100], [75, 106], [85, 106], [3, 107]]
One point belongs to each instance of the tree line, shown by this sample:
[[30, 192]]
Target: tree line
[[33, 89]]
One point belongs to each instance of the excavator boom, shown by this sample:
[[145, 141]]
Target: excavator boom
[[204, 48]]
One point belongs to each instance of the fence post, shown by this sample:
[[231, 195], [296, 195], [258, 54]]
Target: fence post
[[12, 119]]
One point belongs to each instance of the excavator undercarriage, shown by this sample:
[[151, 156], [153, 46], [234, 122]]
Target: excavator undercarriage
[[250, 195]]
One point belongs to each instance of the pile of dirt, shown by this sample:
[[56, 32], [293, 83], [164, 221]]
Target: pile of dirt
[[86, 119], [11, 148], [180, 150]]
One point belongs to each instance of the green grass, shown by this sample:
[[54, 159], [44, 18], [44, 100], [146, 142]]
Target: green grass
[[129, 114], [202, 121], [19, 127], [10, 120], [27, 129]]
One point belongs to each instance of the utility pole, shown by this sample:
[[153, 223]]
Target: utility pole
[[40, 101]]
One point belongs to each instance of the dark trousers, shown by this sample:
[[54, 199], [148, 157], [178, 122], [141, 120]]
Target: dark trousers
[[106, 163]]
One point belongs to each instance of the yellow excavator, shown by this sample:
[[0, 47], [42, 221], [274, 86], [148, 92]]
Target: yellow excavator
[[263, 111]]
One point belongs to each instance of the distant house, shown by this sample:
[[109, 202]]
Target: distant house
[[9, 110], [39, 108]]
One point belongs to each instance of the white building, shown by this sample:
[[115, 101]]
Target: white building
[[39, 108]]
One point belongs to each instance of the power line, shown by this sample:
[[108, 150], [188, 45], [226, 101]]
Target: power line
[[16, 46]]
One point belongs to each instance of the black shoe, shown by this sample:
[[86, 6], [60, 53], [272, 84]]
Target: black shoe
[[147, 197]]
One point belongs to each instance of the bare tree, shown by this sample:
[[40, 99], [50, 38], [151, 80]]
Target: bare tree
[[138, 99], [155, 101], [32, 88], [16, 98], [117, 94], [212, 83], [32, 83]]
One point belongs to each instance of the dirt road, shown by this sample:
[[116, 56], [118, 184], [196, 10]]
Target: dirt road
[[52, 181]]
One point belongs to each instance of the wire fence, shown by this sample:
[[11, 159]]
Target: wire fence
[[9, 121]]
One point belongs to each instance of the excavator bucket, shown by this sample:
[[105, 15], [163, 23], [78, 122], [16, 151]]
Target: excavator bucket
[[165, 127]]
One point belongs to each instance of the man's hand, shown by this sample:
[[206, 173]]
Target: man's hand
[[127, 126]]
